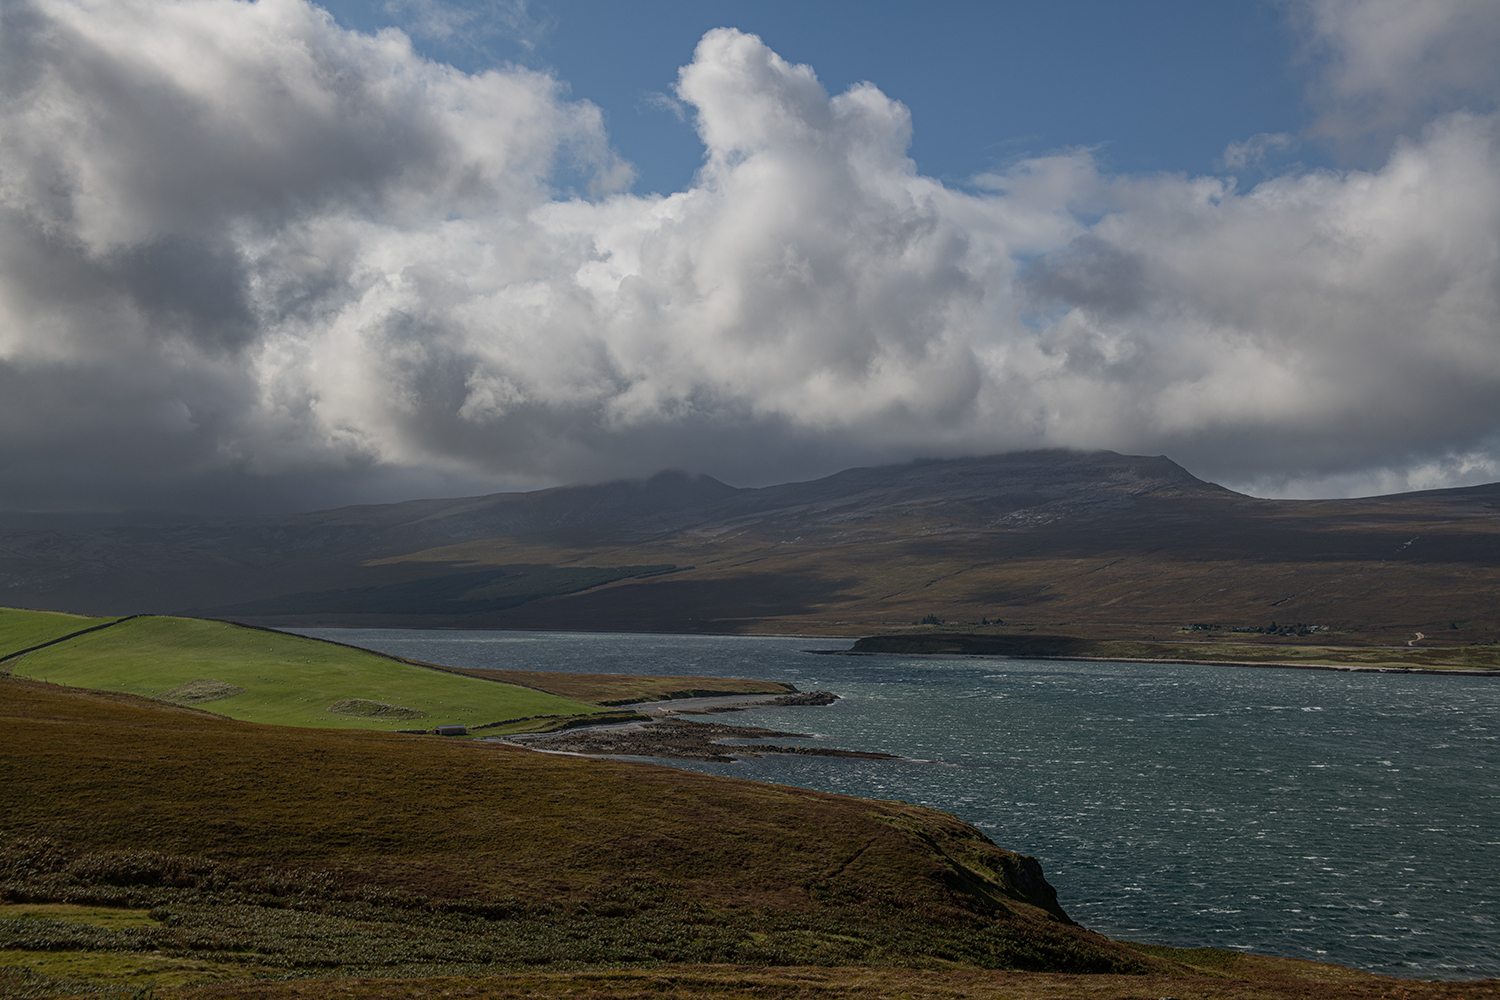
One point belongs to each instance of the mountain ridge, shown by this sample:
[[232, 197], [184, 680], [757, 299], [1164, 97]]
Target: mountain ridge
[[1134, 544]]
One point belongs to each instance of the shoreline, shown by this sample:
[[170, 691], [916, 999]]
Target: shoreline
[[672, 738], [1279, 665], [1185, 661], [668, 736]]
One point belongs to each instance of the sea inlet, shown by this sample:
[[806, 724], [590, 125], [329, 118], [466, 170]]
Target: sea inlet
[[1340, 817]]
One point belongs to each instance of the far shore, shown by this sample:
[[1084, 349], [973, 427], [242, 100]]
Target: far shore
[[1469, 661], [1346, 668], [1080, 657]]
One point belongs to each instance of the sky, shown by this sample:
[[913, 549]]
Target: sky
[[274, 256]]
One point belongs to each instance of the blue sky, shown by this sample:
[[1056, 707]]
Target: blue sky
[[1158, 86], [270, 256]]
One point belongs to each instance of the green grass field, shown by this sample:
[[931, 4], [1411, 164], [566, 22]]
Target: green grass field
[[288, 680], [23, 629]]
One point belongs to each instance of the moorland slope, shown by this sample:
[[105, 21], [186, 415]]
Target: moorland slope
[[297, 849], [148, 849], [1089, 544]]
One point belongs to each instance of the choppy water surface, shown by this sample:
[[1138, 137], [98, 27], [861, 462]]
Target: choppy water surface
[[1352, 818]]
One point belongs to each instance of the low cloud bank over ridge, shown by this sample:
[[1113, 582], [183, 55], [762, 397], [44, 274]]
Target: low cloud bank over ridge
[[248, 257]]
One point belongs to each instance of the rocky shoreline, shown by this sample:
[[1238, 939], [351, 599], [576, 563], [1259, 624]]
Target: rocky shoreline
[[681, 739], [959, 645], [796, 698]]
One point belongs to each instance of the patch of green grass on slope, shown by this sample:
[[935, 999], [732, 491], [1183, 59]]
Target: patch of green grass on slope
[[23, 629], [288, 680]]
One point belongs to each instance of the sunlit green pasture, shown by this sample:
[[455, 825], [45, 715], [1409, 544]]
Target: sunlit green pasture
[[23, 629], [288, 680]]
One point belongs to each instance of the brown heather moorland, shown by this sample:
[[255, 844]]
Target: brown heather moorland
[[257, 861], [425, 854], [1094, 545], [1222, 976]]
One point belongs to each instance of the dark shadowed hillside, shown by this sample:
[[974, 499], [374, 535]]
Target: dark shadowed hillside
[[1087, 543]]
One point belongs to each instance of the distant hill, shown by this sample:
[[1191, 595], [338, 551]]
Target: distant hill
[[1087, 543]]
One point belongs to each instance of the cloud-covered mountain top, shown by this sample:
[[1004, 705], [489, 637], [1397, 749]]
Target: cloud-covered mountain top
[[251, 259]]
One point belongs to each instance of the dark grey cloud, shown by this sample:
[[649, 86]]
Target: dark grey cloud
[[1091, 274], [250, 259]]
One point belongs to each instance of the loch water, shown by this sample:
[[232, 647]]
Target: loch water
[[1342, 817]]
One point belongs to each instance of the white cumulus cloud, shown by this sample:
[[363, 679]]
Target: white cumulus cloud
[[243, 249], [1387, 65]]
